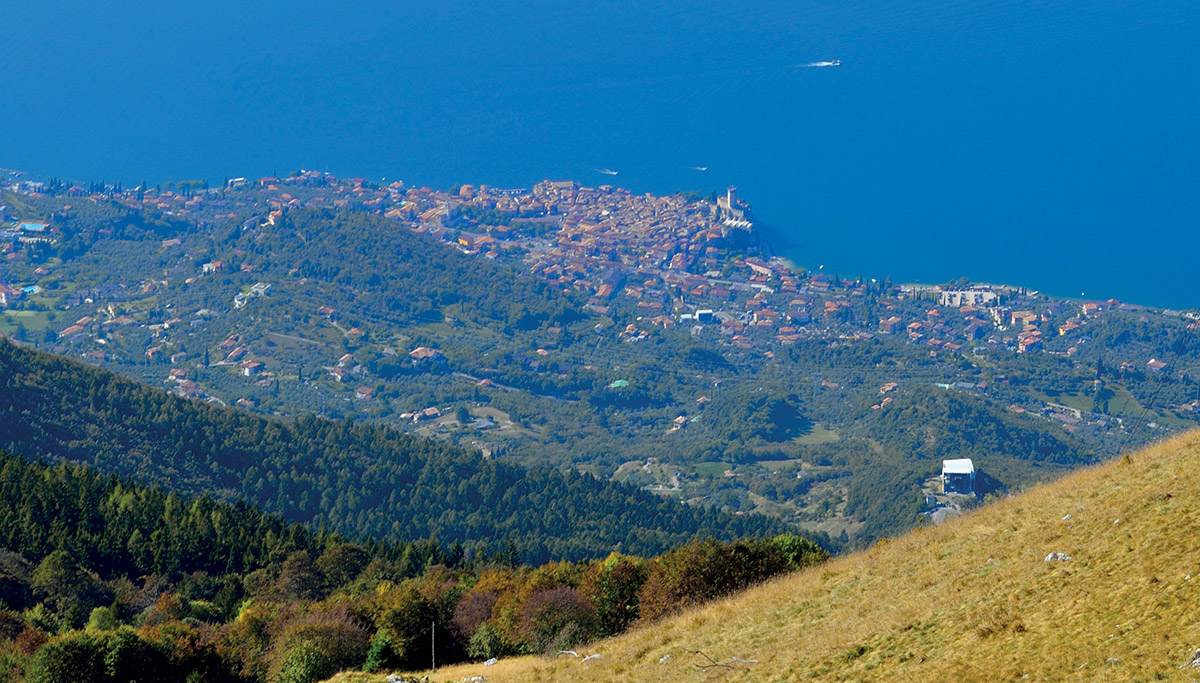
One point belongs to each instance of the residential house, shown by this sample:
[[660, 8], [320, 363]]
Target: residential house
[[890, 325], [1030, 343], [424, 357]]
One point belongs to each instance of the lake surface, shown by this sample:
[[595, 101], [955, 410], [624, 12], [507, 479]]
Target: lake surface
[[1042, 143]]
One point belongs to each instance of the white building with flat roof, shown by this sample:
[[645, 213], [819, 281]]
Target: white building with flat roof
[[958, 476], [966, 297]]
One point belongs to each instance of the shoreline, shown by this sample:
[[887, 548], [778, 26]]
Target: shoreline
[[775, 242]]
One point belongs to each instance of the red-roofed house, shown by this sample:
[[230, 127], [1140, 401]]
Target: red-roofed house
[[423, 356]]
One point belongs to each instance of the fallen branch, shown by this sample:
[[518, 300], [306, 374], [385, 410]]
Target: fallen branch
[[713, 664]]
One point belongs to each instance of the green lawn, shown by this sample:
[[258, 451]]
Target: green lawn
[[290, 342], [1077, 401], [1123, 402], [818, 435], [776, 465], [500, 417], [711, 469], [34, 321]]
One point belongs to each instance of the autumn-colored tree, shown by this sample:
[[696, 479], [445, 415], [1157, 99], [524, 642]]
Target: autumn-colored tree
[[195, 650], [299, 578], [11, 625], [62, 659], [473, 609], [408, 614], [248, 638], [314, 645], [509, 611], [705, 570], [560, 617], [30, 640], [612, 586], [342, 563], [167, 608]]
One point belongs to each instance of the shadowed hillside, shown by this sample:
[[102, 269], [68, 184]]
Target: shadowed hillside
[[363, 481], [984, 597]]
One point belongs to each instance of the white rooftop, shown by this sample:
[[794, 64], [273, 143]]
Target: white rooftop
[[962, 466]]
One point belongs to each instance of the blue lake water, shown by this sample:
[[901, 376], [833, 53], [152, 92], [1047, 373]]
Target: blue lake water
[[1044, 143]]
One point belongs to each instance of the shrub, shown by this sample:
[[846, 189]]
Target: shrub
[[486, 643], [102, 619], [705, 570], [556, 614], [11, 625], [67, 588], [473, 609], [321, 642], [31, 640], [410, 610], [305, 662], [612, 586], [65, 659], [381, 653], [40, 617], [129, 657]]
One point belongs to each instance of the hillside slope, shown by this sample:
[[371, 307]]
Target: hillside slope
[[974, 599], [362, 481]]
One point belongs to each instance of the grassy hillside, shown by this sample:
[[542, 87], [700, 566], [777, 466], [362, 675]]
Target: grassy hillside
[[974, 599]]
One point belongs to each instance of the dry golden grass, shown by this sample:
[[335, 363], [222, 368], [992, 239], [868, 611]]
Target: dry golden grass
[[970, 600]]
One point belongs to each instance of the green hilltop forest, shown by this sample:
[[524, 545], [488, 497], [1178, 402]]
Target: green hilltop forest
[[363, 481]]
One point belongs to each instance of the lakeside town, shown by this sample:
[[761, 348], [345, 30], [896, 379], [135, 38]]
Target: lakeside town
[[679, 260], [684, 262], [679, 334]]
